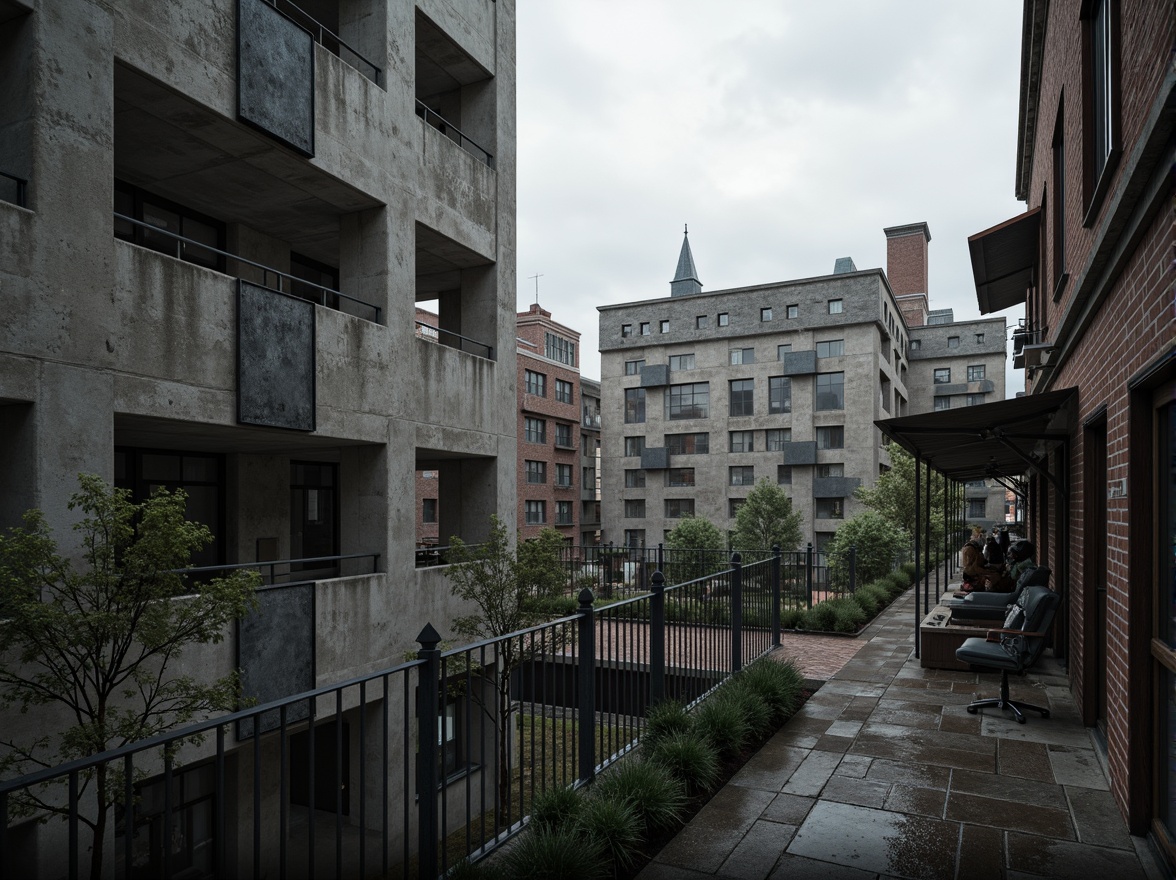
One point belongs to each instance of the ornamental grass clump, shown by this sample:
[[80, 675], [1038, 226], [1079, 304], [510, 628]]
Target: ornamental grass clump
[[747, 702], [613, 828], [776, 684], [555, 854], [872, 598], [899, 582], [556, 807], [722, 723], [657, 796], [690, 758], [664, 719], [847, 615]]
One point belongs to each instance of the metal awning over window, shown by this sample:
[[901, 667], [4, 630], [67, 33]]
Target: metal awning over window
[[1007, 438], [1004, 261]]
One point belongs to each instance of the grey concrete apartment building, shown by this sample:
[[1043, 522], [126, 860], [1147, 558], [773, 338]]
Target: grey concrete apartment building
[[216, 218], [704, 394]]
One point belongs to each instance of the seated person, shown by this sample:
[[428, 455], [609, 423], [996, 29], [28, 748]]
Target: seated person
[[972, 559], [1020, 559]]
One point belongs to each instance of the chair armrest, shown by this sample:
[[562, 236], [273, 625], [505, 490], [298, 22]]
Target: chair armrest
[[995, 634]]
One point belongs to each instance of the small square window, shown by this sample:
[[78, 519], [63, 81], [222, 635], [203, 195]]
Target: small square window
[[724, 319], [626, 330], [782, 350], [733, 505], [916, 344], [793, 311], [980, 338], [942, 403], [701, 322], [835, 306], [953, 342], [975, 372], [742, 356], [941, 376], [644, 328], [766, 314], [633, 368], [742, 441], [783, 475], [664, 327]]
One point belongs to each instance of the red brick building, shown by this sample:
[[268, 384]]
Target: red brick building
[[1093, 260]]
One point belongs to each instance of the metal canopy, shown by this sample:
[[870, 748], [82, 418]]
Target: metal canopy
[[991, 440], [1004, 261]]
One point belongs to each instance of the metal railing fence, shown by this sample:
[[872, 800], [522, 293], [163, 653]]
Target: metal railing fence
[[432, 333], [434, 119], [324, 36], [406, 771], [18, 186]]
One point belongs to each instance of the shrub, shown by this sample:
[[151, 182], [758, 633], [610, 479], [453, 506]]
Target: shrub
[[908, 568], [665, 719], [722, 723], [757, 713], [613, 828], [693, 550], [657, 796], [899, 581], [791, 618], [555, 854], [876, 541], [689, 758], [551, 607], [821, 617], [847, 615], [872, 598], [556, 807], [776, 684], [465, 870]]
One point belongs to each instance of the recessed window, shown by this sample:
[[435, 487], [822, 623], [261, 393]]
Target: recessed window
[[633, 368], [742, 441], [563, 391], [701, 322], [741, 476], [680, 477], [690, 401], [663, 326], [793, 311], [535, 383], [688, 444], [833, 469], [634, 406], [536, 471], [782, 350], [783, 475], [976, 508], [742, 397], [830, 391], [634, 537], [975, 372], [829, 508], [779, 394], [776, 438], [724, 319], [563, 435], [916, 344], [836, 306], [942, 403], [766, 314], [535, 512], [626, 330], [634, 508], [634, 446], [634, 479], [678, 508], [733, 505], [975, 399], [559, 349], [534, 430], [563, 476], [953, 342], [831, 348], [979, 338], [831, 437], [738, 356], [681, 362], [162, 217], [643, 328], [563, 514], [942, 376], [1101, 112], [429, 510]]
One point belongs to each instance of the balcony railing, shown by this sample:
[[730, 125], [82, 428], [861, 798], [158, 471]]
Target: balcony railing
[[17, 186], [285, 283], [432, 761], [451, 131], [327, 38], [454, 340], [287, 572]]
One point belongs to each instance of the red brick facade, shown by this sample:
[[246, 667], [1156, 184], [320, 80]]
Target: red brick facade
[[906, 258], [1105, 305]]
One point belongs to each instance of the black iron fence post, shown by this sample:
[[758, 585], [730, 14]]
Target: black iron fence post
[[586, 681], [808, 572], [736, 612], [657, 638], [775, 595], [661, 559], [428, 711], [852, 567]]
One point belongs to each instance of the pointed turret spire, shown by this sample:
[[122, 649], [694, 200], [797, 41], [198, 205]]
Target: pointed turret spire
[[686, 277]]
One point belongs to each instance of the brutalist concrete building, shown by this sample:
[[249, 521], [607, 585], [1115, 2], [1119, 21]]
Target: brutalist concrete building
[[704, 394], [216, 217]]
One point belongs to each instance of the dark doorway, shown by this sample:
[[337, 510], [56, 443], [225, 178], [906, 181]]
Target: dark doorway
[[331, 768]]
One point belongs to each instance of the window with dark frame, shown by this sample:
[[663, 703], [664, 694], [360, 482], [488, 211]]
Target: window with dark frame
[[633, 368], [766, 313], [634, 508], [783, 475], [829, 508], [663, 326], [742, 441], [643, 328], [690, 401], [563, 435], [953, 342], [563, 476], [941, 376], [701, 322], [831, 437], [678, 508], [724, 319], [634, 478], [678, 477], [836, 306], [688, 444], [779, 394], [168, 217], [634, 406], [681, 362], [535, 383], [776, 438], [831, 348], [536, 471], [1058, 216], [429, 510], [534, 430], [742, 475], [741, 398], [634, 446], [740, 356], [1101, 99], [975, 372], [793, 311], [830, 391], [563, 513], [563, 391], [535, 512]]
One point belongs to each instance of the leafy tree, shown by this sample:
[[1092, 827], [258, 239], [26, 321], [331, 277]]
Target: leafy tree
[[876, 540], [766, 519], [893, 495], [694, 549], [502, 582], [101, 641]]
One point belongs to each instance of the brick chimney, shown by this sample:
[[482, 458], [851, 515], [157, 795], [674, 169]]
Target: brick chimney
[[906, 269]]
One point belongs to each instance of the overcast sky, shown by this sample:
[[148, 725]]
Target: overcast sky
[[785, 133]]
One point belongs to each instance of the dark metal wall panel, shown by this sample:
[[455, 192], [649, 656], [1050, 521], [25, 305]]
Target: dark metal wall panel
[[275, 359], [655, 458], [655, 375], [275, 75], [275, 653], [800, 452], [799, 363]]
